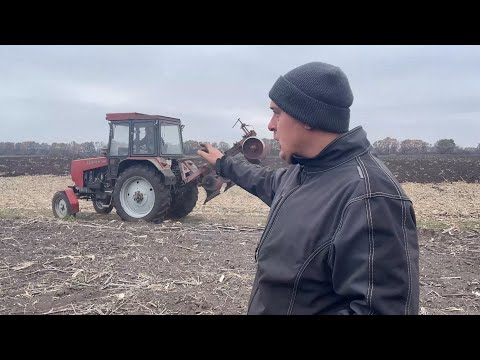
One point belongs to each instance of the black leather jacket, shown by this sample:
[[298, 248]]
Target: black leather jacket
[[341, 234]]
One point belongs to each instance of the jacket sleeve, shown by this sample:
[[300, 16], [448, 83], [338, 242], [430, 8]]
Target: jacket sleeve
[[257, 180], [374, 258]]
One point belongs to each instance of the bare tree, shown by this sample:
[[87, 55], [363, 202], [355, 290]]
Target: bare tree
[[413, 146], [386, 146]]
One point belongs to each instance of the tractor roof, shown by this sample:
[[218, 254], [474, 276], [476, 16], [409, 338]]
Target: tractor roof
[[137, 116]]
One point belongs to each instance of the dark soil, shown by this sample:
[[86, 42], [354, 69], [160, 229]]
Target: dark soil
[[434, 168], [424, 168], [34, 165], [406, 168]]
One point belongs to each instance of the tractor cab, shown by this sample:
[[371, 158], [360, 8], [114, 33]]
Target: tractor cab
[[135, 134]]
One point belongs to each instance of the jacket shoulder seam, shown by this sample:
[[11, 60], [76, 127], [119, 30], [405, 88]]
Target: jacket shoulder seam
[[405, 237], [371, 239]]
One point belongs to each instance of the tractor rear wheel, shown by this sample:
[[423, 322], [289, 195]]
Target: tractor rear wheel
[[140, 194], [183, 202], [99, 208], [61, 205]]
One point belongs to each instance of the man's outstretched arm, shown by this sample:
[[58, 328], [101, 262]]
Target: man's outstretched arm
[[257, 180]]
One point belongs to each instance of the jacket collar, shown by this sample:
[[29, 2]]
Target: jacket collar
[[344, 148]]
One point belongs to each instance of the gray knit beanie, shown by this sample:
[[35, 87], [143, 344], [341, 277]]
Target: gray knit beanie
[[317, 94]]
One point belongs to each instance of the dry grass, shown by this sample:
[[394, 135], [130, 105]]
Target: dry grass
[[437, 206], [446, 205]]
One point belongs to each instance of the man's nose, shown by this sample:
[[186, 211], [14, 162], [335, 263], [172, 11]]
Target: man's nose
[[272, 124]]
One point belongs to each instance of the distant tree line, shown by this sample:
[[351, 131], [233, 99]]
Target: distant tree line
[[71, 149], [386, 146], [443, 146]]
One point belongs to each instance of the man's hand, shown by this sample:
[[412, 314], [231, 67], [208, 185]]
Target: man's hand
[[210, 153]]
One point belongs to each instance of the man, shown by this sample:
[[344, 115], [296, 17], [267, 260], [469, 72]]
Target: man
[[146, 145], [341, 233]]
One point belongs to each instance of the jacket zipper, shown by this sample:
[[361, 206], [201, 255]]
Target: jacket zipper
[[281, 201]]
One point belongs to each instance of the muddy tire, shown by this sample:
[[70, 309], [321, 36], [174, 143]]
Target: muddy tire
[[183, 202], [98, 206], [140, 194], [61, 205]]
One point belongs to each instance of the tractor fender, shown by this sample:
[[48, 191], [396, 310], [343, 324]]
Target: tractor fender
[[168, 174], [161, 165], [165, 170], [72, 199]]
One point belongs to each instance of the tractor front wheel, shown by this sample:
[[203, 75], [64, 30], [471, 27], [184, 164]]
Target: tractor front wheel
[[140, 194], [61, 205]]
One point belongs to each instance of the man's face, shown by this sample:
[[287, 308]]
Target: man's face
[[287, 131]]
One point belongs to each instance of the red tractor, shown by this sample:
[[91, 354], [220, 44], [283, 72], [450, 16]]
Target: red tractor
[[144, 174]]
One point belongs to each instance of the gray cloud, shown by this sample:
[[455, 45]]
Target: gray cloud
[[62, 93]]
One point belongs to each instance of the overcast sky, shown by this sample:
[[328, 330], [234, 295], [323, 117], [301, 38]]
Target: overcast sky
[[62, 93]]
